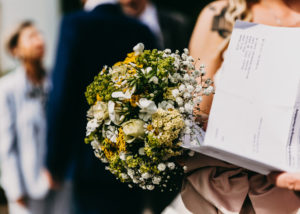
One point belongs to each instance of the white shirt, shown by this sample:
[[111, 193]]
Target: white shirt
[[91, 4], [150, 18], [22, 136]]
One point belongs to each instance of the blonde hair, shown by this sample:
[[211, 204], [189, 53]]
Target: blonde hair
[[237, 9]]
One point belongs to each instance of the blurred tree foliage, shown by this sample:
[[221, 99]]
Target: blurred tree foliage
[[191, 8]]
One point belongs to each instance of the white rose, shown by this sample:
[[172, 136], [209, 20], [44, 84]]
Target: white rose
[[133, 129], [98, 111]]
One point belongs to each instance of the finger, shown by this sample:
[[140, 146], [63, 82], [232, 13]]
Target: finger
[[286, 180]]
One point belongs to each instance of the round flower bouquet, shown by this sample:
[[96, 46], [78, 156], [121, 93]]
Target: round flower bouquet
[[140, 110]]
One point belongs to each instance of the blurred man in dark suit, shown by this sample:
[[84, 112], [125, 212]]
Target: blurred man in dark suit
[[88, 41], [172, 29]]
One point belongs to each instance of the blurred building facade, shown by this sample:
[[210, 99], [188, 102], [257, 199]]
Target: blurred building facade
[[44, 13]]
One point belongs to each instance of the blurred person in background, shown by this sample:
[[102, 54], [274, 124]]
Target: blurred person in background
[[172, 29], [213, 186], [22, 124], [101, 35]]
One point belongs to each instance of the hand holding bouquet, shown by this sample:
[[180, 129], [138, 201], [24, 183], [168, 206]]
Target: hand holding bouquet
[[140, 109]]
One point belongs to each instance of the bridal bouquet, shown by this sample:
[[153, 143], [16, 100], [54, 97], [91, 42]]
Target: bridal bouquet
[[140, 110]]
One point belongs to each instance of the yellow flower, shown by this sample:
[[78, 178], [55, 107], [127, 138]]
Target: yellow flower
[[109, 154], [149, 127], [99, 98], [118, 64], [134, 99], [121, 143], [132, 71]]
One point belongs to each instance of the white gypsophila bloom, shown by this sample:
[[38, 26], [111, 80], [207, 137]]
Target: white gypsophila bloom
[[173, 80], [161, 167], [198, 99], [142, 151], [179, 101], [150, 187], [156, 180], [171, 166], [208, 90], [146, 175], [198, 89], [187, 95], [122, 156], [190, 58], [186, 51], [190, 88], [92, 125], [175, 93], [184, 56], [177, 76], [186, 77], [182, 88], [181, 109], [188, 123], [196, 73], [185, 168], [124, 176], [154, 79], [139, 48], [188, 108], [152, 95], [130, 172]]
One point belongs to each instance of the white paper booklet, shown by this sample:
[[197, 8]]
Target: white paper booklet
[[255, 120]]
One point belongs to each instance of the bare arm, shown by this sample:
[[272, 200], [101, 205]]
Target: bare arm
[[206, 44]]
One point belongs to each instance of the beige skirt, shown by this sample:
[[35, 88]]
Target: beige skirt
[[216, 187]]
